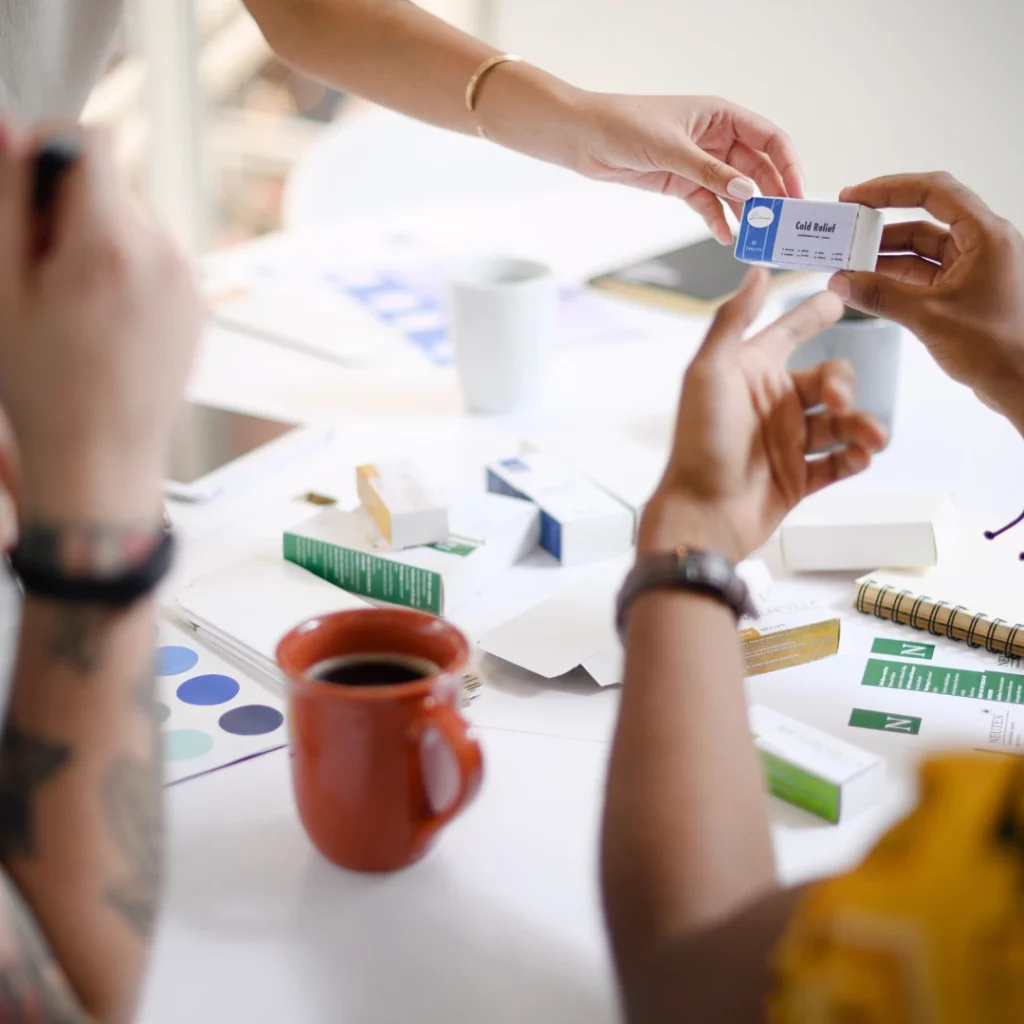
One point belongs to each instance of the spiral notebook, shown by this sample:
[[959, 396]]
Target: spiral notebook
[[977, 598]]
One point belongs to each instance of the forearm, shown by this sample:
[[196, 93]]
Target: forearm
[[399, 56], [686, 842], [81, 828]]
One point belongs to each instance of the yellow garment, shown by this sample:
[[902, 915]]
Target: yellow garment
[[929, 929]]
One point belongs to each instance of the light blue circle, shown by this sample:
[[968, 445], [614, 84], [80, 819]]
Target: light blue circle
[[186, 744], [173, 660]]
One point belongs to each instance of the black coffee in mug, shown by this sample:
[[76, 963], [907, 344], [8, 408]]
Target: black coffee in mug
[[373, 670]]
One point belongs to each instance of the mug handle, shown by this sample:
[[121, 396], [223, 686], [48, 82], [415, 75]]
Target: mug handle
[[456, 734]]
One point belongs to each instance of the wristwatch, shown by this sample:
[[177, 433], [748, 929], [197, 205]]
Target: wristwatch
[[703, 572]]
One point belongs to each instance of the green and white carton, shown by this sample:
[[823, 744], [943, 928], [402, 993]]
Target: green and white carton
[[489, 533], [809, 768]]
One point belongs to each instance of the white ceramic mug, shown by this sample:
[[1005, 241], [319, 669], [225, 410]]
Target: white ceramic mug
[[504, 314], [872, 346]]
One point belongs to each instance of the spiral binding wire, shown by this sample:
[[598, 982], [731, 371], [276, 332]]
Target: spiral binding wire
[[879, 610]]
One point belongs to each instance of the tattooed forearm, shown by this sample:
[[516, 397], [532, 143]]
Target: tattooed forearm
[[133, 803], [78, 636], [26, 762], [33, 989]]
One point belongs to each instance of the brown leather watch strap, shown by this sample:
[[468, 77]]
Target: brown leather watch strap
[[703, 572]]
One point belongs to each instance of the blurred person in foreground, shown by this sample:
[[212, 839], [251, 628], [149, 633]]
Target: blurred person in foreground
[[700, 927], [701, 149], [98, 321]]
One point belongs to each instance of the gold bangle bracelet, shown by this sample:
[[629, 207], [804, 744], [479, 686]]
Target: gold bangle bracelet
[[473, 85]]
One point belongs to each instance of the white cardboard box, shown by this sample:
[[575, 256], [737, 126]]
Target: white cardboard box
[[489, 533], [814, 770], [402, 504], [840, 531], [799, 234], [580, 522]]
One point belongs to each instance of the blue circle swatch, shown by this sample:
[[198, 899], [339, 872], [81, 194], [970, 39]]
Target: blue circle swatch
[[251, 720], [172, 661], [186, 744], [161, 712], [209, 689]]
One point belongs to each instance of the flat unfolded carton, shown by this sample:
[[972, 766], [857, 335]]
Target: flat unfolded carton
[[838, 532], [580, 522], [490, 533]]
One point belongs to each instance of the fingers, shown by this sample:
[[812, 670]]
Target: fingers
[[760, 134], [878, 294], [780, 339], [709, 206], [939, 193], [735, 316], [829, 384], [692, 162], [908, 269], [826, 430], [15, 218], [921, 237], [836, 466], [756, 165]]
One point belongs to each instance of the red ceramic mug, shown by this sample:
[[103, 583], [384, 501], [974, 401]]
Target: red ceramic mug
[[378, 770]]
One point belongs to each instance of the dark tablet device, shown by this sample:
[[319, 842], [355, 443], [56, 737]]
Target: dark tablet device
[[695, 278]]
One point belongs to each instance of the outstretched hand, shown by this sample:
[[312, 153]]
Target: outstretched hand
[[748, 430]]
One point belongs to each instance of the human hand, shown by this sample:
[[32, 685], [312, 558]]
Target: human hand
[[701, 149], [959, 289], [746, 426], [97, 330]]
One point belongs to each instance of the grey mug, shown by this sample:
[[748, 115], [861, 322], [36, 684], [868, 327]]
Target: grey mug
[[872, 347]]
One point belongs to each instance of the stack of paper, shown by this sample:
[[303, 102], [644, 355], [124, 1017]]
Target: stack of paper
[[246, 609]]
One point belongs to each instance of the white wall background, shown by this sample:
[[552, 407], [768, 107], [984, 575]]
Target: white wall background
[[865, 87]]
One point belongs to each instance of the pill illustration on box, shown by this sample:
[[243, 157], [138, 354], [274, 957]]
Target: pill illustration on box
[[798, 234]]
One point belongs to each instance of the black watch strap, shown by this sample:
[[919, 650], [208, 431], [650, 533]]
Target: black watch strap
[[704, 572], [45, 578]]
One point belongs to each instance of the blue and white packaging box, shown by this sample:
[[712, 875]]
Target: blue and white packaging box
[[797, 234], [579, 522]]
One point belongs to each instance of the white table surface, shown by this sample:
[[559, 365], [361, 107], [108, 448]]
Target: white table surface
[[501, 922]]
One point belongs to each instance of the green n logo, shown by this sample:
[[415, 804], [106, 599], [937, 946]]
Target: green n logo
[[885, 722]]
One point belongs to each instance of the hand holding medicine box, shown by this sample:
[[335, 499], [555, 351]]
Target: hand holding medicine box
[[797, 234], [400, 502], [579, 522]]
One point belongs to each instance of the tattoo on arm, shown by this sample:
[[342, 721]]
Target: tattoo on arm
[[133, 805], [33, 989], [26, 762], [78, 636]]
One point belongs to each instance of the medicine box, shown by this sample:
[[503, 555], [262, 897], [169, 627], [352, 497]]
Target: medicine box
[[842, 531], [489, 533], [401, 503], [799, 234], [813, 770], [579, 521]]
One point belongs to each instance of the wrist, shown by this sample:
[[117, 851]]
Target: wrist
[[521, 107], [672, 521]]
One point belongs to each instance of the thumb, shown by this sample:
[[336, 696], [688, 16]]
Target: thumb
[[735, 316], [692, 162], [877, 294]]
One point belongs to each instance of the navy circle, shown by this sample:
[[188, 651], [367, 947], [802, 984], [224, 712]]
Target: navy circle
[[251, 720]]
